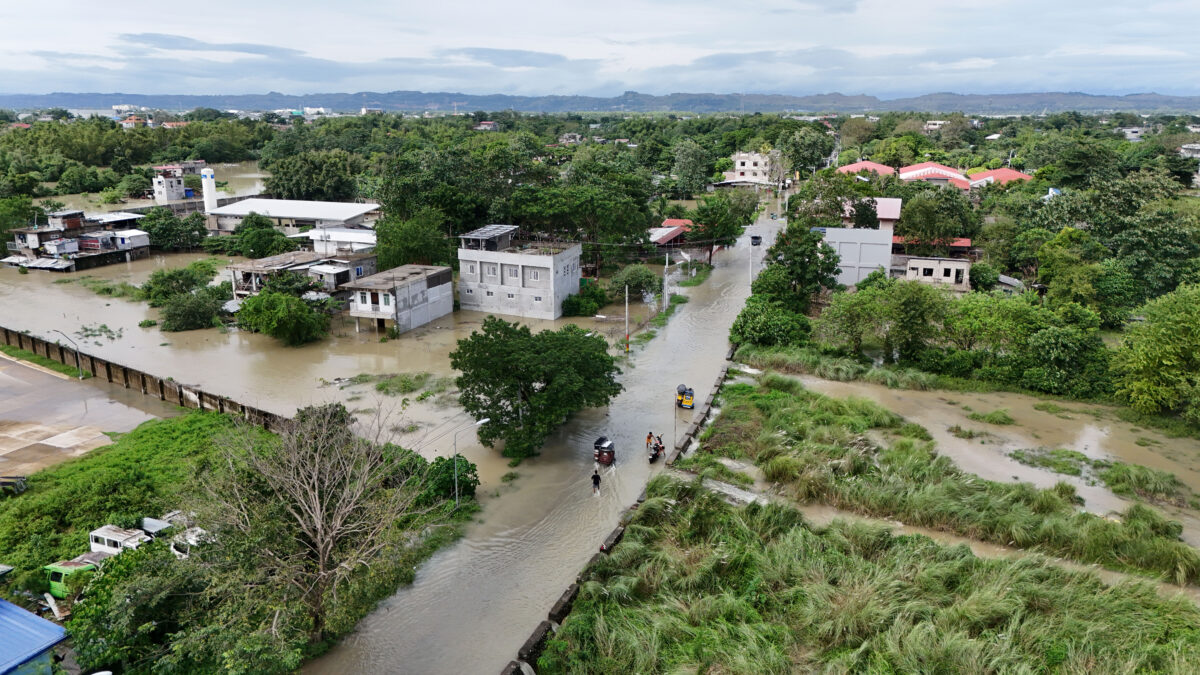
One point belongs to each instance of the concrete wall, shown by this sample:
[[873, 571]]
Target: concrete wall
[[519, 294], [861, 252], [167, 389], [952, 273]]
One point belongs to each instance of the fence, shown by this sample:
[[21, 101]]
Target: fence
[[167, 389]]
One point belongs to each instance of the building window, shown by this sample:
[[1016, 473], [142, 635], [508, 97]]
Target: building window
[[491, 270], [742, 173], [743, 163], [512, 273], [358, 271], [471, 269], [510, 296], [362, 298], [756, 164], [533, 275], [490, 294], [946, 272], [387, 299], [928, 271], [470, 292], [537, 298]]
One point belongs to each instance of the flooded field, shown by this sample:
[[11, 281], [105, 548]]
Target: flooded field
[[244, 178]]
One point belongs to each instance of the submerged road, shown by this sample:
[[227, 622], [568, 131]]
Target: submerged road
[[474, 603]]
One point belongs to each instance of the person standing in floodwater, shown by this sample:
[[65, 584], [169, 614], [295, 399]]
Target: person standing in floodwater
[[596, 482], [649, 438]]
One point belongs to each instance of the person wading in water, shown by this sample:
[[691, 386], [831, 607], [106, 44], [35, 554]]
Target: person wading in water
[[596, 482]]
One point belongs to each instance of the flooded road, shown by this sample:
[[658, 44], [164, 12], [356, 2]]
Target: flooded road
[[474, 603]]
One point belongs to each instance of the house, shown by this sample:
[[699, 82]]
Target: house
[[934, 125], [407, 296], [26, 640], [860, 251], [685, 223], [113, 219], [290, 215], [667, 237], [954, 273], [887, 210], [570, 138], [370, 111], [750, 167], [132, 240], [249, 277], [873, 167], [112, 540], [1002, 176], [501, 275], [338, 239], [60, 247], [487, 125], [958, 247], [1132, 134], [186, 167], [133, 122], [1190, 150], [938, 174], [175, 125], [168, 186], [20, 125]]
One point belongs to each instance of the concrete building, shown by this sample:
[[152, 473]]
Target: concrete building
[[130, 240], [168, 186], [402, 298], [750, 167], [887, 210], [338, 239], [500, 275], [953, 273], [249, 277], [1190, 150], [340, 269], [290, 215], [860, 252]]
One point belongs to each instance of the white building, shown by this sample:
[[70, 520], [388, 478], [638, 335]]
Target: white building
[[339, 239], [860, 252], [750, 167], [407, 296], [953, 273], [128, 240], [168, 187], [59, 247], [1190, 150], [290, 215], [502, 276]]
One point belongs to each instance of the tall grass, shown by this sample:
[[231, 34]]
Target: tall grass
[[700, 586], [811, 361], [817, 447]]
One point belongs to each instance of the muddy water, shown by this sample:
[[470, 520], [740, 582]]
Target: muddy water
[[474, 603], [244, 178], [1089, 429]]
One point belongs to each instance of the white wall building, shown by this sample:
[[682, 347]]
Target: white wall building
[[290, 215], [954, 273], [860, 252], [750, 167], [168, 187], [339, 239], [130, 239], [407, 296], [502, 276]]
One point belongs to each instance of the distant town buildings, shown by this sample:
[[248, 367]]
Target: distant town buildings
[[500, 275], [487, 125]]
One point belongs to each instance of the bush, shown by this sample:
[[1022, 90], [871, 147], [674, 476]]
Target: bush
[[439, 480], [195, 310], [587, 302], [767, 324], [163, 284], [285, 317]]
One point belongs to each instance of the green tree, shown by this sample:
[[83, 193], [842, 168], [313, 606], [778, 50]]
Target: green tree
[[421, 239], [692, 166], [807, 261], [806, 149], [638, 278], [851, 317], [17, 212], [527, 384], [258, 238], [290, 283], [1158, 362], [911, 315], [170, 233], [720, 219], [195, 310], [284, 317], [984, 276], [767, 323], [165, 283], [134, 185], [324, 175], [933, 219]]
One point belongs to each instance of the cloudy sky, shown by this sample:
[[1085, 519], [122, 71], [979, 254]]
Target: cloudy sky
[[883, 47]]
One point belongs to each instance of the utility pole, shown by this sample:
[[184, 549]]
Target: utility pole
[[666, 271], [626, 318]]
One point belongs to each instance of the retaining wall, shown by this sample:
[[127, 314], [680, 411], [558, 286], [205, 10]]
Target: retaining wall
[[699, 418], [153, 386]]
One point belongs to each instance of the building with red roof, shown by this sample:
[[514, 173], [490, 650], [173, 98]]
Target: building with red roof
[[1002, 176], [932, 172], [685, 223], [874, 167]]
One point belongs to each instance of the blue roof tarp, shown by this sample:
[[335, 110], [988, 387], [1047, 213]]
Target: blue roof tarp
[[24, 635]]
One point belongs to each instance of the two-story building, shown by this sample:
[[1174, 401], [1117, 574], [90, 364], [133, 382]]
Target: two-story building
[[501, 275], [403, 298]]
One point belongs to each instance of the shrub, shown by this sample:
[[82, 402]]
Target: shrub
[[766, 323], [284, 317], [999, 417], [587, 302], [195, 310], [439, 479]]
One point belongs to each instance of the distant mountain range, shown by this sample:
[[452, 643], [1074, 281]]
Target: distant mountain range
[[996, 104]]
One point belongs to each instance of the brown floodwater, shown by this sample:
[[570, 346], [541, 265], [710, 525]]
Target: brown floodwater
[[1087, 428], [244, 178]]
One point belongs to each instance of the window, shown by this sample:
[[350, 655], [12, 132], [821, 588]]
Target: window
[[490, 294], [56, 577], [928, 271], [112, 543], [742, 173], [491, 270], [362, 298], [946, 272], [537, 298], [743, 163], [387, 299], [470, 292], [97, 540], [357, 271], [510, 296], [756, 164], [471, 269], [512, 273], [533, 275]]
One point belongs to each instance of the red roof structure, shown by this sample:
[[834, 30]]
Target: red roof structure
[[1002, 176], [20, 125], [685, 223], [881, 169], [961, 242]]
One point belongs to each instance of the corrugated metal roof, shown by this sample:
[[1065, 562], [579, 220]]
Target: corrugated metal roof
[[24, 635], [295, 208], [489, 231]]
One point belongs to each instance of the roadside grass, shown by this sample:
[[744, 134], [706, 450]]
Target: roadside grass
[[660, 320], [707, 466], [700, 586], [26, 355], [997, 417], [817, 449], [1058, 460], [703, 270], [811, 361], [1130, 480]]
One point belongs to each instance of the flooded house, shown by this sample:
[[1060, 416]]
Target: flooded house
[[331, 271], [71, 241], [402, 298], [291, 216], [500, 274]]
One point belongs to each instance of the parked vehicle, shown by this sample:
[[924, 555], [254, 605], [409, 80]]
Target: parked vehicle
[[685, 397], [755, 240], [604, 452]]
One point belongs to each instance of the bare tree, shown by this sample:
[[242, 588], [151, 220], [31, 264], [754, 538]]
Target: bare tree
[[320, 501]]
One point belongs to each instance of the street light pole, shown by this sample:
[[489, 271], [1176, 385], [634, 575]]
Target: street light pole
[[456, 433], [77, 366]]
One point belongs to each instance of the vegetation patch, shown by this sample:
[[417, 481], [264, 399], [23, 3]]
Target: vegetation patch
[[701, 273], [403, 383], [1132, 480], [700, 586], [997, 417], [808, 360], [659, 320], [966, 434], [1059, 460], [26, 355]]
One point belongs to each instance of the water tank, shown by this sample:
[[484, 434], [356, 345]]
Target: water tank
[[208, 183]]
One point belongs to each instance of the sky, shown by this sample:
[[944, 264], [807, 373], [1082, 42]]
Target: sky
[[887, 48]]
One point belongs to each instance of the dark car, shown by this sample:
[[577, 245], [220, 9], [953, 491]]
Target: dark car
[[755, 240]]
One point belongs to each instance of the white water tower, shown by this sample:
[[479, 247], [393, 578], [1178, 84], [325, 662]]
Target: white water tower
[[208, 183]]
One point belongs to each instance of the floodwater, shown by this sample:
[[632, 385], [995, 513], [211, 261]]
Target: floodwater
[[474, 603], [1086, 428], [244, 178]]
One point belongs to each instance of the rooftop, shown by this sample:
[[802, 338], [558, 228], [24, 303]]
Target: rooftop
[[340, 234], [1002, 176], [489, 231], [24, 635], [113, 217], [295, 208], [662, 235], [279, 262], [881, 169], [394, 277]]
